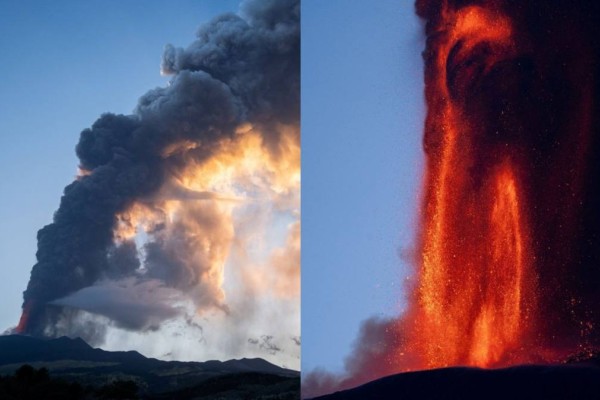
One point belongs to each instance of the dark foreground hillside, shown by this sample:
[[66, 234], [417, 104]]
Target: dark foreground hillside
[[535, 382], [72, 361]]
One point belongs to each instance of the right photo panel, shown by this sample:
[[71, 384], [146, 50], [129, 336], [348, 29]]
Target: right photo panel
[[450, 199]]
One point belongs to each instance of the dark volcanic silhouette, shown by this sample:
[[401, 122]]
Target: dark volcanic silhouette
[[74, 360], [527, 383]]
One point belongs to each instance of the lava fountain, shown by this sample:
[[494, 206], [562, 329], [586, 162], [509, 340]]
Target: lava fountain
[[508, 263], [509, 267]]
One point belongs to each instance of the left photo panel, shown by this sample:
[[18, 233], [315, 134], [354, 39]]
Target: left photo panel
[[151, 197]]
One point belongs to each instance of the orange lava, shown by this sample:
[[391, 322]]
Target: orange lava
[[475, 292], [22, 325]]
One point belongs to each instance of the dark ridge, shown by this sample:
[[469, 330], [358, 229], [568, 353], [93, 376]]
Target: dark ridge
[[531, 382], [75, 361]]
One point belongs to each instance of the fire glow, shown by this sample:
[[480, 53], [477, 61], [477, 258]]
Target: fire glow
[[507, 253], [200, 209], [475, 269], [473, 295], [489, 274]]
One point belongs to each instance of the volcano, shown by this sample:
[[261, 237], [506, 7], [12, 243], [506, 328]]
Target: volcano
[[520, 382], [74, 360], [507, 262]]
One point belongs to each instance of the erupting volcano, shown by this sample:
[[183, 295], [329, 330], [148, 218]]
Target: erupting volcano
[[507, 261], [185, 215], [509, 268]]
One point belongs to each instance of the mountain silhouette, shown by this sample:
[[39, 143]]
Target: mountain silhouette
[[74, 360], [531, 382]]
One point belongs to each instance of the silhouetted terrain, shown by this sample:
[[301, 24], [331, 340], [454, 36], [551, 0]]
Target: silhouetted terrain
[[73, 360], [548, 382]]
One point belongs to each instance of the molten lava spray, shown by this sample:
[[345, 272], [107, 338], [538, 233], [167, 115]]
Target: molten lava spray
[[189, 208], [475, 285], [508, 141], [508, 267]]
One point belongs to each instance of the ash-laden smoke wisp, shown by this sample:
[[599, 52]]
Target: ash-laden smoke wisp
[[509, 264], [192, 201]]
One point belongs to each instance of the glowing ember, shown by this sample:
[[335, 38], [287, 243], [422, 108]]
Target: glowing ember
[[22, 326], [475, 258], [476, 283], [506, 147]]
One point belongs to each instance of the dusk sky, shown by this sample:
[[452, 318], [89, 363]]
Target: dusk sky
[[362, 118]]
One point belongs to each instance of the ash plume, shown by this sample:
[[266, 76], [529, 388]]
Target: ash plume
[[226, 128]]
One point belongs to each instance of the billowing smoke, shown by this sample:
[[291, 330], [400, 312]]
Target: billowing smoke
[[371, 358], [509, 263], [188, 209]]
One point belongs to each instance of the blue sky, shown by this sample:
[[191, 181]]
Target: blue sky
[[362, 117], [63, 64]]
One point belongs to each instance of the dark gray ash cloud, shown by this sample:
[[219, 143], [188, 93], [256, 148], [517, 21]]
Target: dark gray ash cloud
[[240, 69]]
